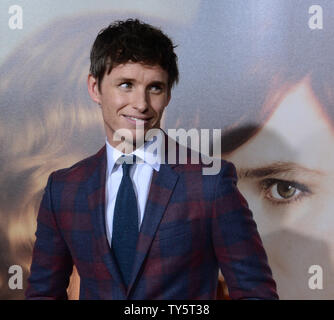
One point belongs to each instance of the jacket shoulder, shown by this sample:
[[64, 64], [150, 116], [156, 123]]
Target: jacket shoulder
[[82, 169]]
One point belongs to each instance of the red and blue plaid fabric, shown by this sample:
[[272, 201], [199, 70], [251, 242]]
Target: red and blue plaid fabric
[[194, 224]]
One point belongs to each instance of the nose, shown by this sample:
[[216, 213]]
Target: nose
[[141, 101]]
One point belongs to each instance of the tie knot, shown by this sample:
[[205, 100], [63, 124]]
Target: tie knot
[[127, 162]]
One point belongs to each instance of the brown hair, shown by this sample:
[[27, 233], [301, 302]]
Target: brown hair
[[132, 40]]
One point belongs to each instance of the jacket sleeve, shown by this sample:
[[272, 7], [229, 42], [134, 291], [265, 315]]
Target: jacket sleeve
[[237, 244], [51, 264]]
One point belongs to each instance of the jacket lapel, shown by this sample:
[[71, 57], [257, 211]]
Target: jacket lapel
[[162, 186], [96, 199]]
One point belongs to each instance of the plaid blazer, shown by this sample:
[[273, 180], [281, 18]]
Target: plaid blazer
[[193, 225]]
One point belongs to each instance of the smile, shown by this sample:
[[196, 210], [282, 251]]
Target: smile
[[136, 120]]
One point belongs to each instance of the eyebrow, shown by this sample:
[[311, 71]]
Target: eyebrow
[[275, 169], [154, 82], [125, 79], [158, 82]]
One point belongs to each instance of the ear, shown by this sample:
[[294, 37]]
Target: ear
[[93, 89]]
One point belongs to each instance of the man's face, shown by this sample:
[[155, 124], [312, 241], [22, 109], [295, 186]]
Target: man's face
[[133, 94]]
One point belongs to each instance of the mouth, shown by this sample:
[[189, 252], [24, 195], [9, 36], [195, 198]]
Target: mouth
[[135, 120]]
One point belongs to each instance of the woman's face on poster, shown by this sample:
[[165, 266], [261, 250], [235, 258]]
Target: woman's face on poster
[[286, 173]]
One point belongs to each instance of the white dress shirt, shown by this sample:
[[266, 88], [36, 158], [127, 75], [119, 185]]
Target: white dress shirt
[[141, 175]]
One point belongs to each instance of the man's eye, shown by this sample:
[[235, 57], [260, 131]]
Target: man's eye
[[284, 191], [126, 85], [156, 88]]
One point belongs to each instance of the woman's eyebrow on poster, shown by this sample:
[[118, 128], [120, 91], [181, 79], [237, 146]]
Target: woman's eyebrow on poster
[[275, 169]]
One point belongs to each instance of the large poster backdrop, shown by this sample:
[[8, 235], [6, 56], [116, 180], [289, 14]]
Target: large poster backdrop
[[260, 70]]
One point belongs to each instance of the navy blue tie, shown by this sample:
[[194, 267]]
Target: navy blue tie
[[125, 224]]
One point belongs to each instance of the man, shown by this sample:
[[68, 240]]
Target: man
[[150, 230]]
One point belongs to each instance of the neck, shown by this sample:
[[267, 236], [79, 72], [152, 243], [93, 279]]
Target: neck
[[125, 146]]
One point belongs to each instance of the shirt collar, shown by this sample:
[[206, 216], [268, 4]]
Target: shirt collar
[[151, 158]]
